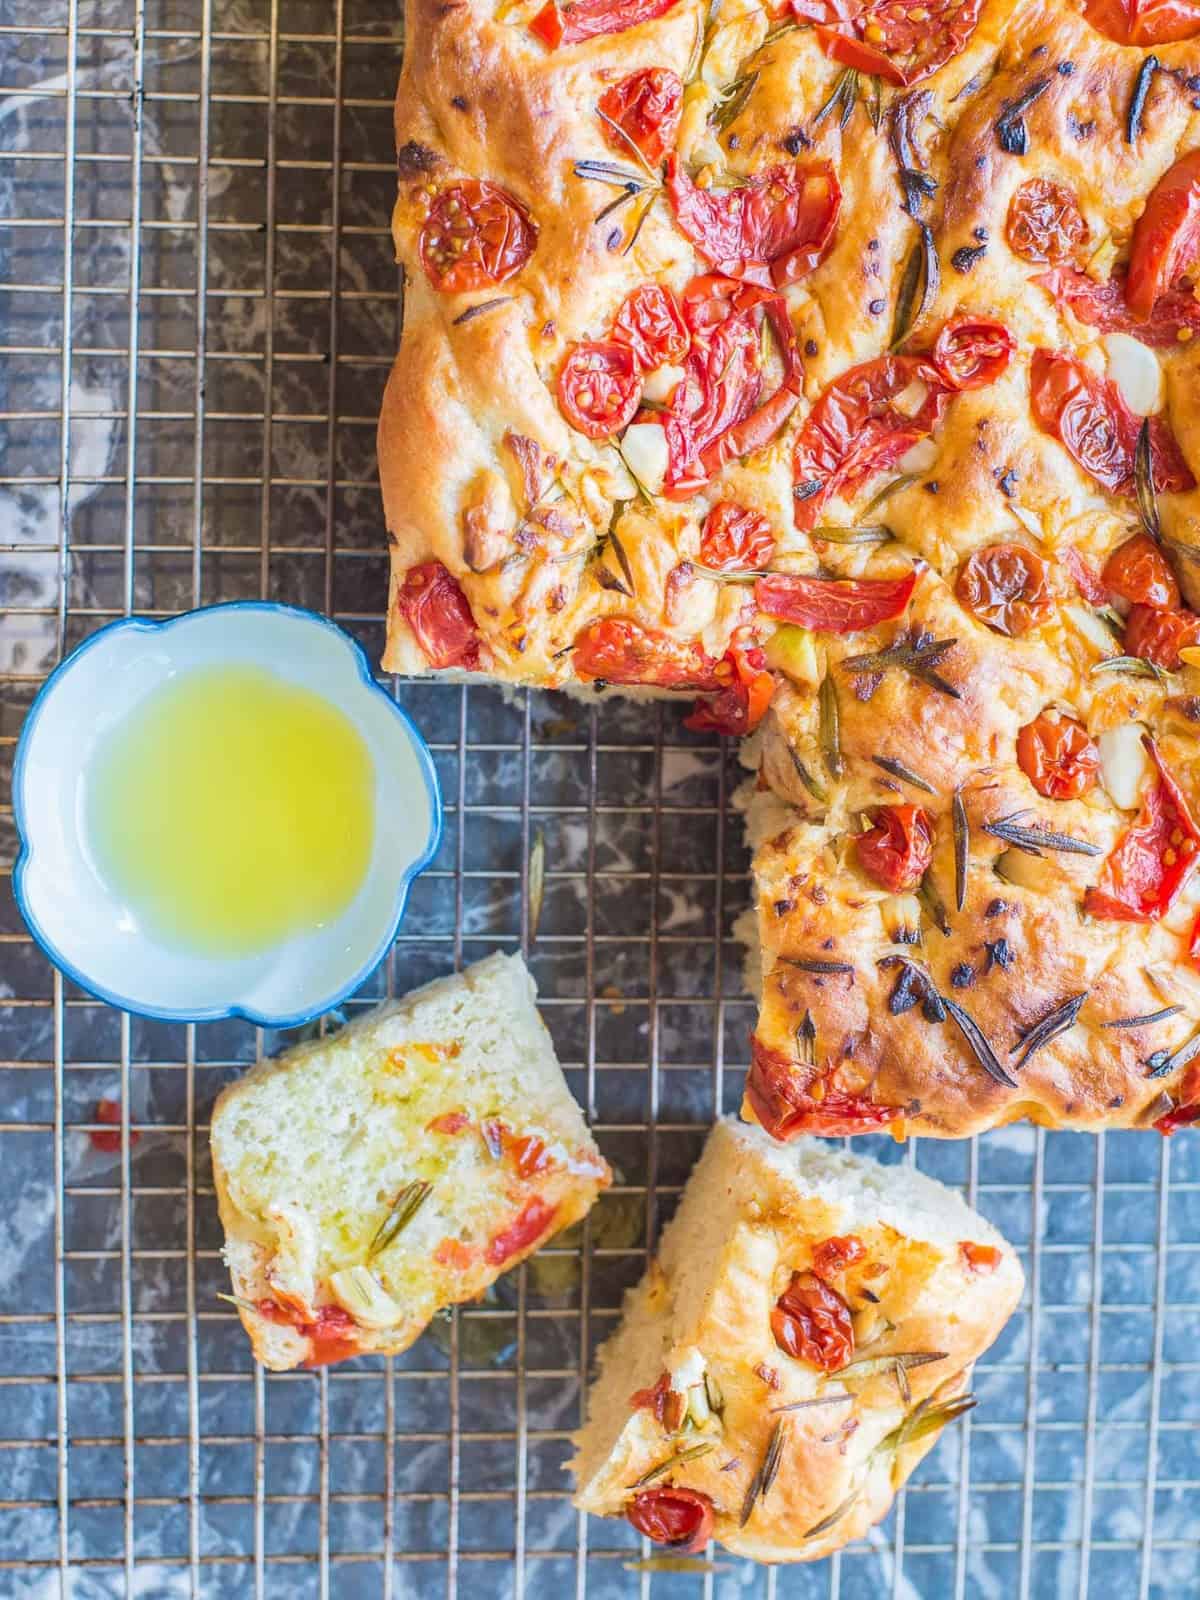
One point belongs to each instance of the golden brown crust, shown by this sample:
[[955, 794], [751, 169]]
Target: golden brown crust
[[482, 473]]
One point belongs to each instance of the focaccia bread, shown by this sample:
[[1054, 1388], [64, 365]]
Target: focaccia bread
[[795, 1348], [368, 1179], [893, 317]]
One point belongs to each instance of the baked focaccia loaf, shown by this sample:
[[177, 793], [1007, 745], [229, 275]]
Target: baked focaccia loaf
[[368, 1179], [837, 364], [803, 1335]]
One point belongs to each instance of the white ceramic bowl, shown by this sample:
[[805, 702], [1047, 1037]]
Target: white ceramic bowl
[[95, 939]]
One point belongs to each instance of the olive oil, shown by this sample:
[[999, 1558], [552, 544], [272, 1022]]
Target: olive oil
[[230, 810]]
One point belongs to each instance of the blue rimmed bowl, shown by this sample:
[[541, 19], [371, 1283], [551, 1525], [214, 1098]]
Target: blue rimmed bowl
[[93, 937]]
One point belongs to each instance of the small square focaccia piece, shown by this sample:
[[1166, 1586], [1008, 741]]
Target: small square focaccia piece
[[369, 1179], [801, 1340]]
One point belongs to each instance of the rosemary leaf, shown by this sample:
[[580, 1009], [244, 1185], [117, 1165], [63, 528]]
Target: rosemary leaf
[[537, 882], [843, 97], [875, 103], [631, 144], [1143, 1021], [809, 1405], [978, 1043], [819, 793], [608, 172], [905, 1360], [1011, 133], [1178, 1058], [835, 1516], [1137, 100], [830, 735], [623, 559], [872, 533], [477, 311], [934, 907], [677, 1460], [236, 1300], [962, 850], [1143, 479], [927, 1418], [918, 286], [806, 1040], [403, 1209], [902, 482], [898, 770], [732, 102], [1132, 666], [816, 964], [1034, 840], [760, 1484], [1052, 1024], [647, 208]]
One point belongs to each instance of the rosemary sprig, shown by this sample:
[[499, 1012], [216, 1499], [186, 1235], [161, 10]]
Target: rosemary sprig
[[843, 99], [1143, 481], [1137, 100], [1052, 1024], [829, 728], [537, 882], [816, 964], [978, 1043], [1130, 666], [1143, 1021], [630, 144], [809, 1405], [760, 1484], [401, 1212], [871, 533], [1036, 840], [918, 286], [928, 1417], [962, 850], [477, 310], [818, 791], [917, 653], [732, 101], [898, 770], [677, 1460], [897, 1360]]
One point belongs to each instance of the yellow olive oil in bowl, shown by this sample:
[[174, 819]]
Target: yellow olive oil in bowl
[[232, 810]]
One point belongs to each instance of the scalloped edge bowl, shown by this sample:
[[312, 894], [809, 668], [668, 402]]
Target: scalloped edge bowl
[[93, 938]]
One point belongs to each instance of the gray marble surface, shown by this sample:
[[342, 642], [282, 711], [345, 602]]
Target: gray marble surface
[[203, 346]]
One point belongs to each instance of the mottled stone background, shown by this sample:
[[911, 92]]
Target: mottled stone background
[[197, 302]]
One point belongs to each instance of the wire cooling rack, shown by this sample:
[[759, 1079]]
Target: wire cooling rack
[[197, 305]]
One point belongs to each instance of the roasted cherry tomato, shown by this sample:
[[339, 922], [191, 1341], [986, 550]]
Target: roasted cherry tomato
[[525, 1229], [735, 539], [586, 19], [857, 429], [981, 1258], [599, 387], [1005, 586], [901, 41], [1085, 579], [834, 1255], [811, 1322], [1166, 237], [681, 1518], [773, 228], [646, 108], [1088, 416], [738, 707], [1187, 1108], [1159, 636], [475, 236], [717, 413], [897, 850], [972, 352], [1058, 757], [449, 1122], [1174, 321], [436, 610], [1045, 222], [333, 1333], [787, 1102], [833, 605], [651, 323], [529, 1154], [666, 1404], [1144, 21], [1153, 858], [618, 650], [108, 1138], [1139, 572]]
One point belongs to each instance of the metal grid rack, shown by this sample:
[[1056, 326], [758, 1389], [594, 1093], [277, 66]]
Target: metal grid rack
[[197, 301]]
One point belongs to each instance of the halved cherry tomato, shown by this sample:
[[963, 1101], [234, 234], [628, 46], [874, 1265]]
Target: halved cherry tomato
[[666, 1404], [618, 650], [529, 1154], [901, 41], [587, 19], [1084, 578], [530, 1223], [1174, 321], [1005, 586], [833, 605], [787, 1102], [450, 1122], [680, 1518], [1058, 757], [333, 1332], [1139, 572], [856, 429], [599, 387], [971, 352], [475, 236], [1187, 1108], [897, 850], [1088, 416], [1159, 636], [108, 1139], [982, 1258], [646, 107], [651, 323], [1045, 223], [739, 706], [811, 1322], [834, 1255], [1144, 21], [436, 610], [716, 414], [1153, 858], [1166, 237], [735, 539], [773, 228]]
